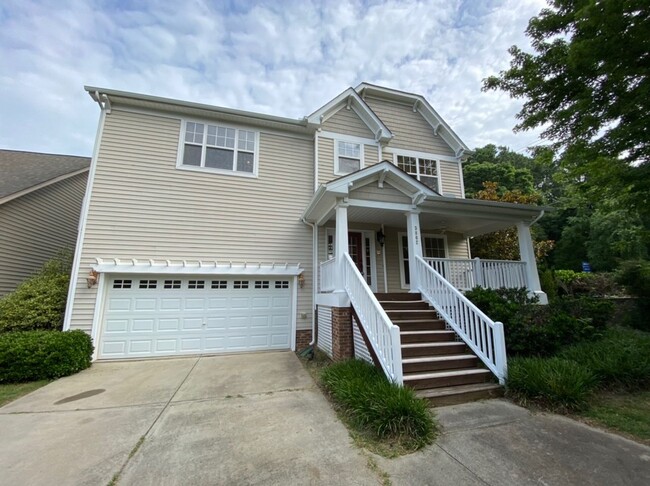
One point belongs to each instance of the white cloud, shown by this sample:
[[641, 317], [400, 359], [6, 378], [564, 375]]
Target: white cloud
[[284, 58]]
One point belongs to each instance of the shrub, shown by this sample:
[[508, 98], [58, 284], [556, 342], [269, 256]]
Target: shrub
[[39, 302], [635, 276], [531, 330], [381, 407], [597, 311], [620, 359], [39, 355], [555, 383], [583, 283], [548, 283], [500, 304]]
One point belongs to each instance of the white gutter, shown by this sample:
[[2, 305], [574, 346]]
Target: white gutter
[[314, 272]]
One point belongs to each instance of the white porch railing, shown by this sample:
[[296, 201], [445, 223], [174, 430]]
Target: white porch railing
[[328, 275], [484, 336], [466, 274], [381, 332]]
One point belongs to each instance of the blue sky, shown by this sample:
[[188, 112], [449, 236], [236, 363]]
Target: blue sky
[[280, 57]]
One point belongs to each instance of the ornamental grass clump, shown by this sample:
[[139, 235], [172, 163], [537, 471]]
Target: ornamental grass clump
[[370, 402], [555, 383]]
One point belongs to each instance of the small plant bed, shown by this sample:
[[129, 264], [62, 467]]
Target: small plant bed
[[13, 391], [382, 417], [622, 412]]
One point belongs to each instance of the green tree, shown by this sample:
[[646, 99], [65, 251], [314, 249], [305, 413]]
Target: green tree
[[587, 82]]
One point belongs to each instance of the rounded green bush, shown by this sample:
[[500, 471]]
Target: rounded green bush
[[40, 355], [555, 383]]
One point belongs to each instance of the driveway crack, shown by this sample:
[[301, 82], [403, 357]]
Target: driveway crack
[[116, 476]]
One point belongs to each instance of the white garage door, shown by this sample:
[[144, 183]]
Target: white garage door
[[163, 316]]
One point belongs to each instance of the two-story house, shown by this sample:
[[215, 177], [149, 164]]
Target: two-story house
[[213, 230]]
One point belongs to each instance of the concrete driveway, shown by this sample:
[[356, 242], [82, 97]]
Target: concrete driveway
[[240, 419]]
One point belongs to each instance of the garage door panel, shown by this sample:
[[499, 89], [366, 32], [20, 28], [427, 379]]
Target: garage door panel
[[143, 325], [159, 316]]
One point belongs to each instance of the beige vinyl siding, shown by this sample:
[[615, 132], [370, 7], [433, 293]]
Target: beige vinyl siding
[[325, 160], [457, 246], [450, 178], [347, 122], [371, 192], [34, 227], [410, 130], [370, 155], [143, 207]]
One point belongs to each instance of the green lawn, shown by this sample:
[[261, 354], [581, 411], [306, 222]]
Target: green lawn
[[627, 413], [11, 391]]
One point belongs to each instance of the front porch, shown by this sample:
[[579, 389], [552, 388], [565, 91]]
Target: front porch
[[380, 230]]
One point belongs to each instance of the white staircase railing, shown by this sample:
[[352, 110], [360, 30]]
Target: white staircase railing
[[328, 275], [484, 336], [381, 332], [465, 274]]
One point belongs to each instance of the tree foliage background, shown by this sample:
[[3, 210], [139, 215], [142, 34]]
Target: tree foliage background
[[587, 84]]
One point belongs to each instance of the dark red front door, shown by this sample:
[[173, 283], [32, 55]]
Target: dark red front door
[[355, 249]]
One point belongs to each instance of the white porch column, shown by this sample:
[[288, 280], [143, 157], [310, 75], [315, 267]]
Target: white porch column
[[341, 244], [527, 252], [414, 246]]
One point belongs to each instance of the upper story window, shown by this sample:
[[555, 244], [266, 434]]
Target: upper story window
[[219, 148], [424, 170], [348, 157]]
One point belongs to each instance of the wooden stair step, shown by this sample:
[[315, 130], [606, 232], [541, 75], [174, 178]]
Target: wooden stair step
[[411, 350], [422, 336], [453, 395], [435, 363], [406, 314], [399, 296], [439, 379], [404, 304], [420, 324]]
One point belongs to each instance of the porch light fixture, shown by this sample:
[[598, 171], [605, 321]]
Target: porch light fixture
[[301, 280], [381, 237], [92, 278]]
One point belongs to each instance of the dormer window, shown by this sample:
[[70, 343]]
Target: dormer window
[[219, 148], [348, 158]]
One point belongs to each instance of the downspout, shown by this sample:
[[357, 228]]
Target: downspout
[[314, 263], [537, 218], [315, 161]]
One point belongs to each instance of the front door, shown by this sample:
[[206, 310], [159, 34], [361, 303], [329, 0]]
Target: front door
[[355, 249]]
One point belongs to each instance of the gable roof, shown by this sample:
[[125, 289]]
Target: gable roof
[[351, 99], [23, 172], [421, 105]]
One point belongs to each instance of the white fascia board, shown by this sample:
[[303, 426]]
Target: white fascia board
[[195, 268], [363, 111]]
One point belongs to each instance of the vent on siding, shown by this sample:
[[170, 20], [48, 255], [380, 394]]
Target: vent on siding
[[325, 330]]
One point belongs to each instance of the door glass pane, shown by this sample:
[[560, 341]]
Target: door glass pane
[[405, 260], [434, 247], [368, 265]]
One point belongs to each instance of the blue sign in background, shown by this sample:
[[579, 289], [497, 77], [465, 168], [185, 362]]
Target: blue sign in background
[[586, 267]]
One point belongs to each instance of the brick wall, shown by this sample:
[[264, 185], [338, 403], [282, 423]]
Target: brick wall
[[342, 337], [303, 338]]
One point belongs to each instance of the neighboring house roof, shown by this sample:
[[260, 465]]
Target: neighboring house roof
[[24, 172]]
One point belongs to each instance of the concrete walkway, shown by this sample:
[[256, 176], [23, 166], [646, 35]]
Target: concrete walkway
[[497, 443], [241, 419]]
